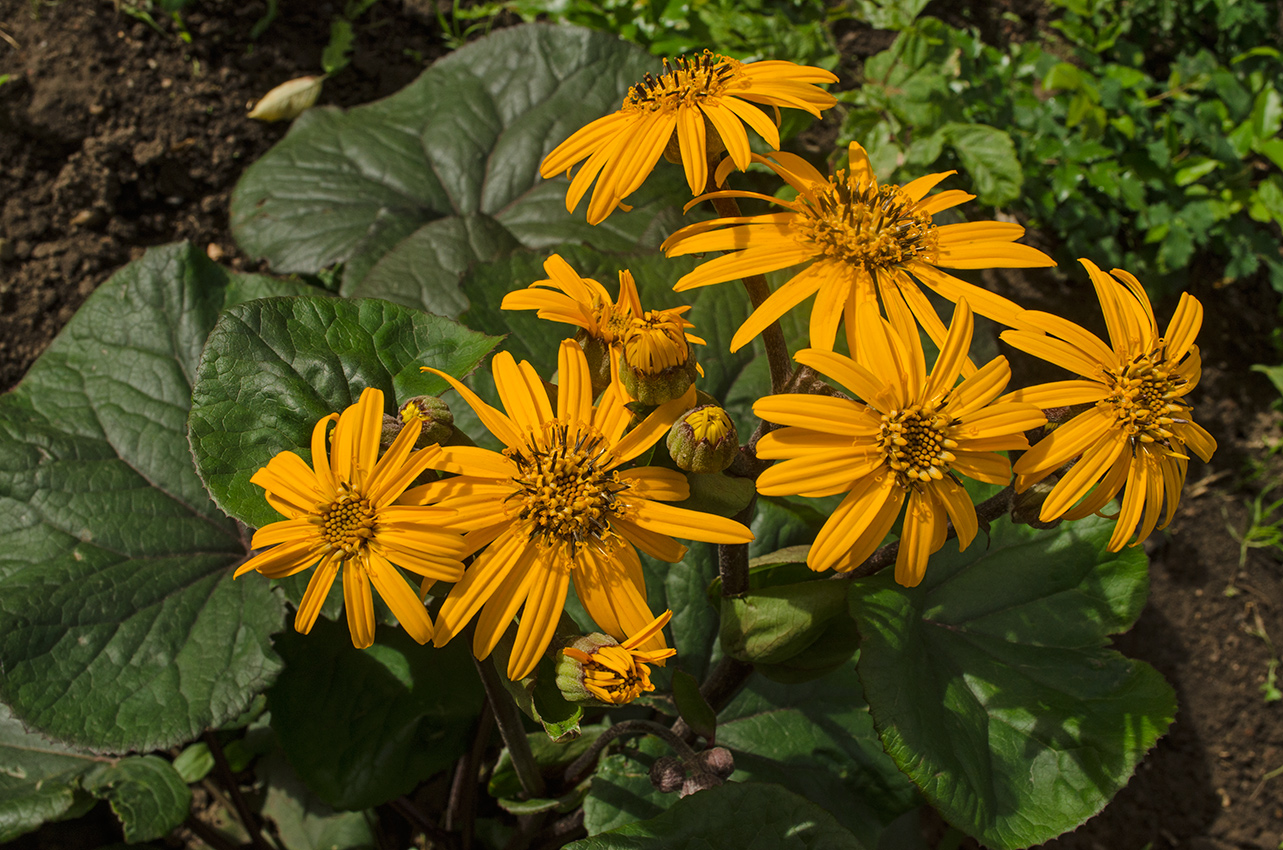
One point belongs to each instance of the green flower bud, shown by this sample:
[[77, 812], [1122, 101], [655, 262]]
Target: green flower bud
[[657, 364], [703, 440], [598, 669], [438, 421]]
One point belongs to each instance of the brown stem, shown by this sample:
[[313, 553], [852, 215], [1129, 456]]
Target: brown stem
[[511, 729], [720, 687], [208, 834], [423, 823], [987, 511], [579, 767], [247, 818], [777, 351], [732, 558], [461, 810], [562, 831]]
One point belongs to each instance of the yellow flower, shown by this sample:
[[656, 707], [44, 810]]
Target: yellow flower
[[1139, 424], [343, 513], [614, 673], [605, 325], [556, 506], [910, 439], [863, 242], [692, 97]]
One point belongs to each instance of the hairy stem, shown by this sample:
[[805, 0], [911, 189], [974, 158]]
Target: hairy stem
[[579, 767], [508, 718]]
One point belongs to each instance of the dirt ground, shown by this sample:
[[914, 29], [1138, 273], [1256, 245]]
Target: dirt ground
[[115, 137]]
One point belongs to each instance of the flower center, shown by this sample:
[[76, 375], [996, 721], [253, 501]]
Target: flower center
[[348, 522], [916, 444], [683, 83], [655, 342], [565, 495], [1145, 397], [871, 226]]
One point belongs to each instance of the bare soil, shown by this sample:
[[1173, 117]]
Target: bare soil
[[115, 137]]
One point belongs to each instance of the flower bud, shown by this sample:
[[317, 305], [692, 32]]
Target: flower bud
[[657, 364], [597, 668], [667, 774], [1026, 506], [703, 440], [717, 761], [438, 421]]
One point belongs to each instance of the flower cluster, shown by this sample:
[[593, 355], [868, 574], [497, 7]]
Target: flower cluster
[[580, 486]]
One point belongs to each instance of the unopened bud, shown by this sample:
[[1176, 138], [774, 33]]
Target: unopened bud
[[438, 421], [667, 774], [597, 668], [657, 365], [571, 664], [1026, 506], [703, 440], [717, 761]]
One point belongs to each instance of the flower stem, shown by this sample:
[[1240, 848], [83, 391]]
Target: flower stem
[[508, 718], [777, 351], [225, 774], [580, 766]]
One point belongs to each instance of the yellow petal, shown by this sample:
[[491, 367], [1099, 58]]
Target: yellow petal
[[851, 533], [539, 618], [691, 525], [401, 598], [318, 588], [359, 603]]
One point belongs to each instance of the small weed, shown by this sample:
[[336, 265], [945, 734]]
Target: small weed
[[1270, 687]]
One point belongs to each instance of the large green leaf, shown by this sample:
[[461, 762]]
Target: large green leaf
[[120, 626], [41, 780], [145, 792], [304, 822], [38, 779], [274, 367], [747, 816], [992, 687], [411, 190], [364, 726], [815, 738]]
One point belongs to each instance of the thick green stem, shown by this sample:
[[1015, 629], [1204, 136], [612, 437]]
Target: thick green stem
[[508, 718]]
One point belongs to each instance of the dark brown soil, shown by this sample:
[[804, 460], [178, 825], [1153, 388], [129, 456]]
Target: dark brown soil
[[115, 137]]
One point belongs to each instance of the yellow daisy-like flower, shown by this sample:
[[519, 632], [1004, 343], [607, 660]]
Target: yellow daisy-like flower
[[695, 101], [1139, 424], [909, 440], [617, 673], [606, 326], [343, 514], [864, 241], [556, 506]]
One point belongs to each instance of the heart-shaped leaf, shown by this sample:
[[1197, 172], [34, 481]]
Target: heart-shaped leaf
[[120, 626], [992, 687], [274, 367], [411, 190], [746, 815], [362, 727]]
